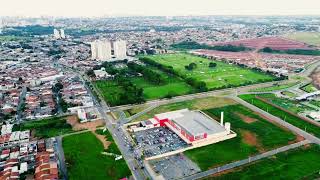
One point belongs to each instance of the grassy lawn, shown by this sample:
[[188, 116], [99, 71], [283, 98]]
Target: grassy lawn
[[173, 86], [196, 104], [289, 94], [306, 37], [294, 164], [85, 161], [254, 134], [49, 127], [275, 87], [223, 75], [109, 89], [309, 88], [313, 129], [291, 105]]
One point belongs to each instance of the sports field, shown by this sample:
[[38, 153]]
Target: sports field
[[84, 159], [306, 37], [294, 164], [254, 135], [223, 75]]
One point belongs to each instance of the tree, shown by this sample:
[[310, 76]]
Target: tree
[[191, 66], [212, 64]]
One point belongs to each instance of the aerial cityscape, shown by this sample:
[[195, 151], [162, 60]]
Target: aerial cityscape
[[160, 95]]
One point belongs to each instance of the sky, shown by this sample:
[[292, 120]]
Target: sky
[[96, 8]]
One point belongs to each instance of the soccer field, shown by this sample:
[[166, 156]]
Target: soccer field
[[223, 75]]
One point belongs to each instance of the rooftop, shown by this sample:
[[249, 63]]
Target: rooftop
[[194, 122]]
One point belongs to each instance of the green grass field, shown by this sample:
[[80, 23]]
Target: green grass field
[[85, 161], [223, 75], [309, 88], [196, 104], [254, 134], [289, 94], [306, 37], [310, 128], [294, 164], [109, 89], [48, 127], [173, 85]]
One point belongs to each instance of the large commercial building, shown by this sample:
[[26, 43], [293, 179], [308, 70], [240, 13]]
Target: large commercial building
[[191, 126], [120, 49]]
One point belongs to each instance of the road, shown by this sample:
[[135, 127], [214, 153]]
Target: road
[[118, 134], [245, 161], [60, 154], [21, 102], [198, 95]]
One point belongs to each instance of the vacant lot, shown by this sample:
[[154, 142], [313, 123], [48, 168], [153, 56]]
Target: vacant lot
[[48, 127], [295, 164], [84, 159], [306, 37], [223, 75], [254, 135], [196, 104], [294, 120]]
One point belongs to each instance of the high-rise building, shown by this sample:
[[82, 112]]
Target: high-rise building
[[59, 34], [120, 49], [62, 35], [101, 50], [94, 50], [56, 34]]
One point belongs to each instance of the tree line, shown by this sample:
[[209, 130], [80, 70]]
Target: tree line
[[195, 45]]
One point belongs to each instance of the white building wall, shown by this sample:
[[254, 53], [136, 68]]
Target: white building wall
[[120, 49], [62, 35], [104, 50], [56, 34], [94, 50]]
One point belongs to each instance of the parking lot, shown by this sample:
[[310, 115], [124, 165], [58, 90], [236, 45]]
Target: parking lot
[[174, 167], [158, 141]]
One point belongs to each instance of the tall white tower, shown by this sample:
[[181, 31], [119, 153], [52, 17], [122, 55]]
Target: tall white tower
[[120, 49], [94, 50], [62, 35], [104, 50]]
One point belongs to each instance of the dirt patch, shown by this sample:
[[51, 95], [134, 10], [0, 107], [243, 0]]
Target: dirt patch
[[212, 102], [76, 125], [251, 139], [245, 118], [102, 138]]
